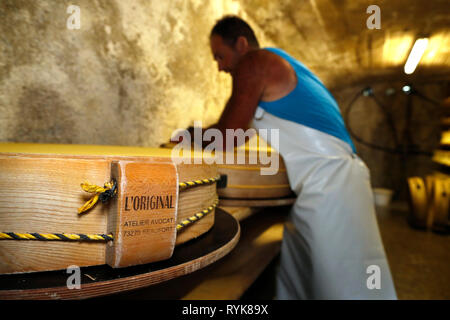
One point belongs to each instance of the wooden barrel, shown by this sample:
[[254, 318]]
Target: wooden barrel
[[430, 202], [418, 200], [40, 193], [440, 200]]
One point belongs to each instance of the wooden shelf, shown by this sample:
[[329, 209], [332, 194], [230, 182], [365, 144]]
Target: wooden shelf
[[230, 277], [445, 122], [442, 157], [445, 138]]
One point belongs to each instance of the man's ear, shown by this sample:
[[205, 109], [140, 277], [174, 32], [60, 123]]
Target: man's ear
[[241, 44]]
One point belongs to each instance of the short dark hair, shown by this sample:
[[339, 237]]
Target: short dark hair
[[231, 27]]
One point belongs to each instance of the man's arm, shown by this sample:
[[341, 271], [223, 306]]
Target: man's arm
[[248, 88]]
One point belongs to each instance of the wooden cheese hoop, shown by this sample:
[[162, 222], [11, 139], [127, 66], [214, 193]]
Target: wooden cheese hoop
[[256, 203], [32, 200], [245, 179]]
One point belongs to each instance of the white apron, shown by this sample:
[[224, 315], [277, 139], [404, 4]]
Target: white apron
[[331, 246]]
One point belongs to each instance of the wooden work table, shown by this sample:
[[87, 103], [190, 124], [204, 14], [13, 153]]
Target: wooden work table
[[230, 277]]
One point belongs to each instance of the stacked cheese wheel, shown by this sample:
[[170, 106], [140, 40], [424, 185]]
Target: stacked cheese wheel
[[253, 170]]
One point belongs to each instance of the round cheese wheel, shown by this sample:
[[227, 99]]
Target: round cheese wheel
[[40, 193]]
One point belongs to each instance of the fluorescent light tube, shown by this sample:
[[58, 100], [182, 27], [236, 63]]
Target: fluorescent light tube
[[415, 55]]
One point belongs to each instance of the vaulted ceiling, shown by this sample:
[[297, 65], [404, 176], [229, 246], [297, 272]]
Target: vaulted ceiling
[[331, 36]]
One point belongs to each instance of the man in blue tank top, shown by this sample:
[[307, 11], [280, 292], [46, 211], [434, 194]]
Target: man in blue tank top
[[331, 239]]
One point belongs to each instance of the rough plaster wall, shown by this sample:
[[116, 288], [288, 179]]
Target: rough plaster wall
[[137, 70], [134, 72]]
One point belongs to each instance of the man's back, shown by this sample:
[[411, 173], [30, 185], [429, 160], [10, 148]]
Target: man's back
[[309, 103]]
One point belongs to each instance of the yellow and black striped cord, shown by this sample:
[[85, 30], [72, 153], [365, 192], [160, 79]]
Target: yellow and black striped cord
[[104, 193], [55, 236], [197, 216], [189, 184]]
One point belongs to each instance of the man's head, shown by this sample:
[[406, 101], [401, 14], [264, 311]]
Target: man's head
[[230, 39]]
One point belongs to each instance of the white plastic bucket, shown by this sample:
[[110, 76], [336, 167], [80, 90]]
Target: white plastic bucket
[[382, 197]]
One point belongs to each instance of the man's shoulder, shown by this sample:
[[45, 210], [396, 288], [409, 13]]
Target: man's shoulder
[[272, 70], [258, 61], [259, 56]]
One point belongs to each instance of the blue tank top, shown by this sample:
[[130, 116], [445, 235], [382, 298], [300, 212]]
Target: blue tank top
[[309, 104]]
